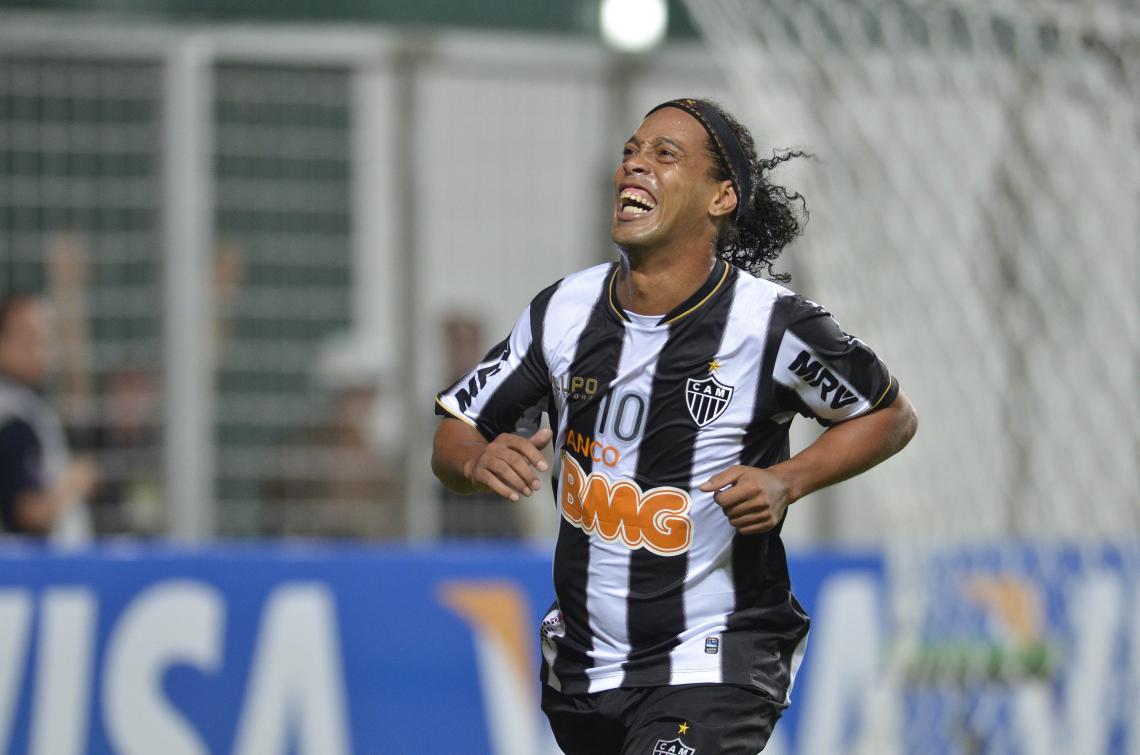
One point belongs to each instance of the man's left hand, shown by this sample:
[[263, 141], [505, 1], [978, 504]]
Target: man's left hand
[[754, 500]]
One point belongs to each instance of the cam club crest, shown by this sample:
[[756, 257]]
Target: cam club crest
[[672, 747], [706, 398]]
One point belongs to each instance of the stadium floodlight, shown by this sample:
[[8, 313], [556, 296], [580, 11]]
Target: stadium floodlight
[[634, 25]]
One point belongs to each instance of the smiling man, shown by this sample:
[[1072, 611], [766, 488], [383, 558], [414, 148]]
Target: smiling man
[[670, 378]]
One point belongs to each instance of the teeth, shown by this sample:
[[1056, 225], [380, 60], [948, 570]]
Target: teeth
[[643, 200], [634, 210]]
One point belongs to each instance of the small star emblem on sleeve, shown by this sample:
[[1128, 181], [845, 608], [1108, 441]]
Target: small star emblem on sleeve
[[683, 728], [714, 366]]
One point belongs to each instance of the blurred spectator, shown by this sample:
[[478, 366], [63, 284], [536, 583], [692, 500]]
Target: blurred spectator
[[127, 440], [115, 416], [463, 344], [68, 275], [41, 487], [228, 276], [341, 476], [483, 514]]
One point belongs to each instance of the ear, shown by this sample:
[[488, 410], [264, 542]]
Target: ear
[[724, 201]]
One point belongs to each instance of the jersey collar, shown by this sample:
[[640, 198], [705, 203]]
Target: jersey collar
[[714, 283]]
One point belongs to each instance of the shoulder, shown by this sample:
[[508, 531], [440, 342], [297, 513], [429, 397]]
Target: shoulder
[[591, 278], [18, 402], [763, 299], [577, 289], [785, 305], [749, 285]]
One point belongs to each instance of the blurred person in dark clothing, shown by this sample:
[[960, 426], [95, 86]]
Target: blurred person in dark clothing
[[127, 440], [42, 489]]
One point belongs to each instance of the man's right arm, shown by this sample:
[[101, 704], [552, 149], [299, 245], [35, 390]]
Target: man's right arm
[[36, 511], [465, 462], [477, 446]]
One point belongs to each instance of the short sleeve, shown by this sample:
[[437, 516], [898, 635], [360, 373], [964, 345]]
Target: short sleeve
[[504, 392], [822, 372], [21, 467]]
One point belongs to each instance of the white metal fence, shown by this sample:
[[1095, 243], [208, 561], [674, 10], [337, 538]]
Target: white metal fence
[[275, 244], [288, 239]]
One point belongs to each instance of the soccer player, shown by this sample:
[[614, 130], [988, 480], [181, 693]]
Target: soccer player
[[670, 379]]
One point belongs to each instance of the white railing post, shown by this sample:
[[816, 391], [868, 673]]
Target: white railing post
[[188, 316]]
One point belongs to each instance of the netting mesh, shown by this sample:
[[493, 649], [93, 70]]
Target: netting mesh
[[79, 222], [973, 203], [294, 456], [973, 212]]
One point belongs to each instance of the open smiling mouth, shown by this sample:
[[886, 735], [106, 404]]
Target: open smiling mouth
[[635, 202]]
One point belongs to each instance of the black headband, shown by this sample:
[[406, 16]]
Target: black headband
[[727, 146]]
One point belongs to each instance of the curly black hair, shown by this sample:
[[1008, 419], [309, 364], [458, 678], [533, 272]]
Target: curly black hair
[[776, 216]]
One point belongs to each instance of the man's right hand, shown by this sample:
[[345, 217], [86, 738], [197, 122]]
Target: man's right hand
[[507, 465], [81, 476]]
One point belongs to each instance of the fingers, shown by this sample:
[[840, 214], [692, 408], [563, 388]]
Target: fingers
[[510, 475], [540, 439], [748, 498], [750, 521], [506, 466], [727, 477], [486, 479], [514, 477], [523, 458], [738, 493], [731, 486], [527, 448]]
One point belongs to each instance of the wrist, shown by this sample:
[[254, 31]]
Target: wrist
[[793, 482], [468, 468]]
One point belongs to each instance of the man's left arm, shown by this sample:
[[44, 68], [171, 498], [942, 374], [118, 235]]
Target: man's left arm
[[821, 372], [755, 499]]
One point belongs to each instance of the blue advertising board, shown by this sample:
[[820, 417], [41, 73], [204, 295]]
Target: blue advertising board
[[320, 649]]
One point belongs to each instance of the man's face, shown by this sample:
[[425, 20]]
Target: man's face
[[663, 187], [25, 343]]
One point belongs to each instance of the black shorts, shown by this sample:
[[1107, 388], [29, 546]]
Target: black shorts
[[689, 719]]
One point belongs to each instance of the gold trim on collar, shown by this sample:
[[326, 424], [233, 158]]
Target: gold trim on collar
[[719, 283], [617, 310], [621, 313]]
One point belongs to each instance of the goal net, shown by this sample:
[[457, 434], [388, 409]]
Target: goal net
[[973, 202]]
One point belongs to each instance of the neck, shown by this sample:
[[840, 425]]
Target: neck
[[654, 282]]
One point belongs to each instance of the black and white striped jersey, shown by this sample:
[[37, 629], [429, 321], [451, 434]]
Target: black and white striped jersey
[[654, 586]]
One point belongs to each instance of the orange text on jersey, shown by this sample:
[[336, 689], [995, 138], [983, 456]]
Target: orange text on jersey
[[587, 446], [657, 520]]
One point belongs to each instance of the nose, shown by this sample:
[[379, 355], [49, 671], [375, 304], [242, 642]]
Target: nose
[[633, 164]]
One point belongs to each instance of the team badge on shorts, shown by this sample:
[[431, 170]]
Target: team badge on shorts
[[672, 747], [707, 399]]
